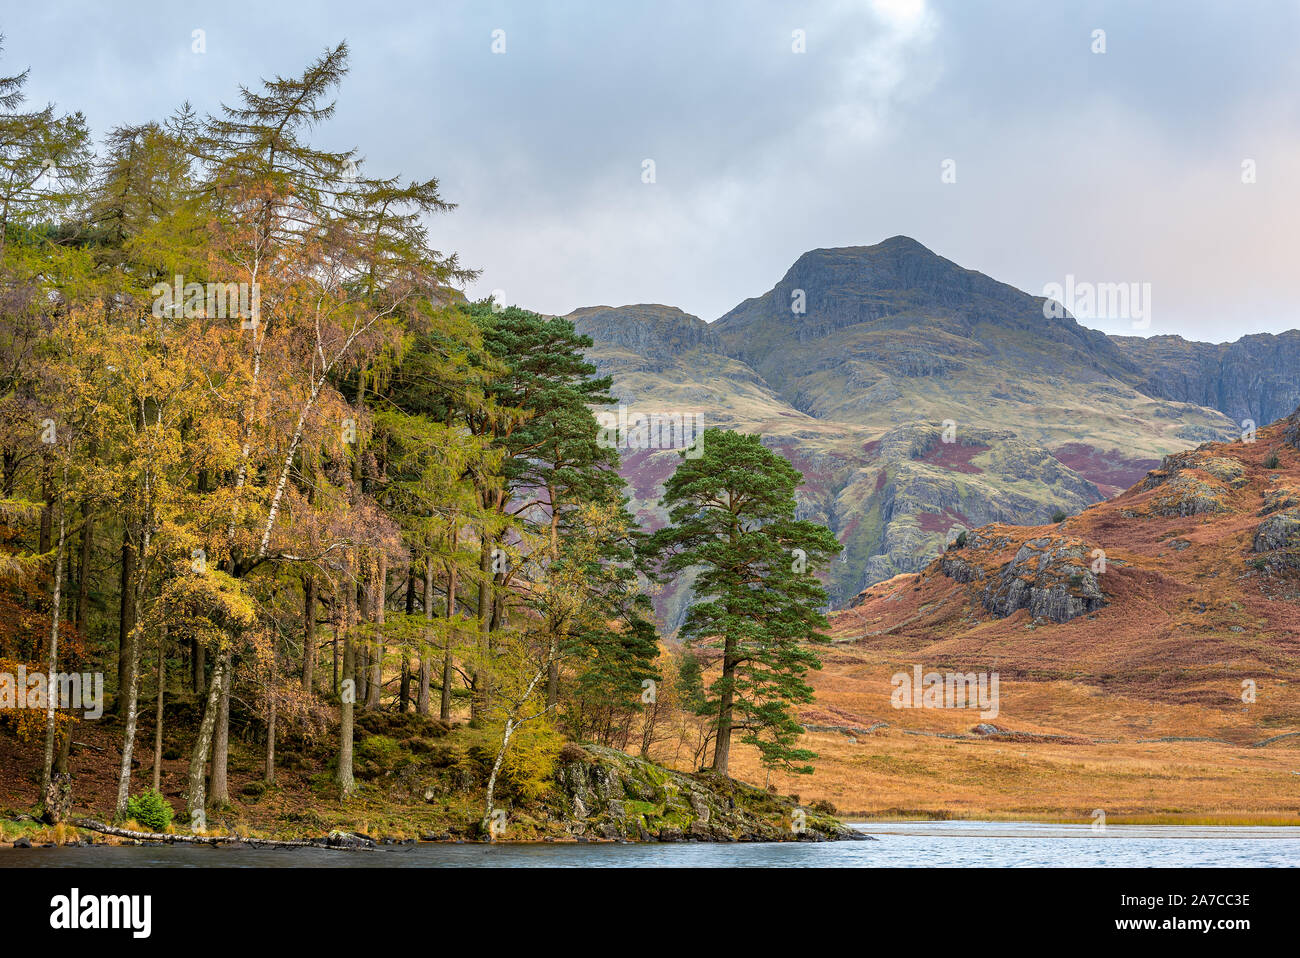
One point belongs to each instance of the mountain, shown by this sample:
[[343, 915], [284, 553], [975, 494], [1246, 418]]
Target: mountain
[[1159, 682], [1255, 378], [894, 333], [917, 398]]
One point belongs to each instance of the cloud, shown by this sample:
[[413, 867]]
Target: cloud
[[1116, 167]]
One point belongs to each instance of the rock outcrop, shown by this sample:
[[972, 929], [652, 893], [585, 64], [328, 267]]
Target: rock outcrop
[[610, 795], [1050, 577], [1291, 430], [1225, 469], [1193, 483], [1278, 538]]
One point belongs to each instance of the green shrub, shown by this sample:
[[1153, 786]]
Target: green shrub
[[253, 789], [380, 755], [150, 809], [1058, 515], [960, 541], [1272, 462]]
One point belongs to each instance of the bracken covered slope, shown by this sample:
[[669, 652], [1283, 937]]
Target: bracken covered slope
[[1163, 686], [1180, 589]]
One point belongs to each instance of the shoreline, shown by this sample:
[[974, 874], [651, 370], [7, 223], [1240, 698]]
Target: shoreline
[[976, 828]]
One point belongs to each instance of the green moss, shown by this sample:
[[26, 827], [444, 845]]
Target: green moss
[[381, 755]]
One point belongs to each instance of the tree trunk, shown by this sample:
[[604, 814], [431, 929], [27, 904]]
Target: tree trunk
[[360, 666], [309, 632], [476, 701], [51, 682], [10, 463], [269, 776], [219, 791], [404, 697], [553, 673], [91, 825], [348, 698], [133, 689], [376, 684], [197, 794], [444, 704], [128, 737], [422, 694], [158, 711], [512, 723], [722, 748], [83, 580], [648, 728], [65, 752], [125, 621], [47, 497], [487, 824], [198, 658], [553, 683]]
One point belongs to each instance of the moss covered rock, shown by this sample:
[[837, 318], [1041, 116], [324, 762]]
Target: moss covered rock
[[603, 793]]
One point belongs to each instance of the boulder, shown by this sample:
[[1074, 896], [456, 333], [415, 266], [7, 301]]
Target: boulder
[[1279, 531]]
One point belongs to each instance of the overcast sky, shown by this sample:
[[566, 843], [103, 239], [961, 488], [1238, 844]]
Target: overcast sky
[[1122, 166]]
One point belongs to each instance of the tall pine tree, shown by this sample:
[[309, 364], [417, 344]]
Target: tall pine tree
[[757, 599]]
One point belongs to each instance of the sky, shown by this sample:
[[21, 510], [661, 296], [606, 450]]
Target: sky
[[1006, 135]]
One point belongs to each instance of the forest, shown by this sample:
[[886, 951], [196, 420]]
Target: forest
[[270, 473]]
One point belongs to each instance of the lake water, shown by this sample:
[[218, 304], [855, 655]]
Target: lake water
[[898, 845]]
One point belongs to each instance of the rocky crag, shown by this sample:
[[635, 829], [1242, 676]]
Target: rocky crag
[[1256, 378]]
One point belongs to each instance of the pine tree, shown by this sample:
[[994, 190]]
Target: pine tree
[[757, 599], [554, 461]]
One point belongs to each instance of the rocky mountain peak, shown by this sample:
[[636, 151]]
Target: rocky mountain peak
[[648, 329]]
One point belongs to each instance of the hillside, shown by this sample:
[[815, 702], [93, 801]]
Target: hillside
[[892, 496], [1257, 377], [1125, 689], [1044, 414]]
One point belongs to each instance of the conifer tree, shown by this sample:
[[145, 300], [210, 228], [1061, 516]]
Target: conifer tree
[[757, 599]]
